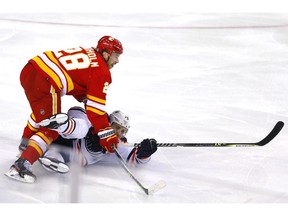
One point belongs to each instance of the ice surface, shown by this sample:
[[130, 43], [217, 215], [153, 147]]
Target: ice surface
[[182, 78]]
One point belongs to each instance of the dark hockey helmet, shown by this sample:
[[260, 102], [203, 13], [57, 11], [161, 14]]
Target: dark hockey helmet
[[109, 44]]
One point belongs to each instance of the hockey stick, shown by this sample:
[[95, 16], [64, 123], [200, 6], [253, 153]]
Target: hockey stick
[[277, 128], [149, 191]]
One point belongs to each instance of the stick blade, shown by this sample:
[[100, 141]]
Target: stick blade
[[156, 187], [277, 128]]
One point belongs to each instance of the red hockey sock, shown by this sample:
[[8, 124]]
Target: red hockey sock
[[30, 154]]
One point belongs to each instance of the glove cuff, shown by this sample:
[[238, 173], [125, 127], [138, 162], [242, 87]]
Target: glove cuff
[[104, 134]]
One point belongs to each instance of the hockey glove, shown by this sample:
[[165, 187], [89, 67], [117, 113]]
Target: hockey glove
[[108, 139], [92, 141], [147, 148]]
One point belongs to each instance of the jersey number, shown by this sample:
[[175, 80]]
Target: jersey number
[[73, 60]]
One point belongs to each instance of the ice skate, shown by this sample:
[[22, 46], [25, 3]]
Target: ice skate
[[54, 165], [55, 121], [21, 171]]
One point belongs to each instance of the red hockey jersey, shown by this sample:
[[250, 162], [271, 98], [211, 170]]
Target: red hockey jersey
[[79, 72]]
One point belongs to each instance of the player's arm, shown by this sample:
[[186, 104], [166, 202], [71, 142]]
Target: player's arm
[[95, 109]]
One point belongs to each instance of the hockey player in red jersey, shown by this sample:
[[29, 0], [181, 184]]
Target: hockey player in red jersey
[[81, 72]]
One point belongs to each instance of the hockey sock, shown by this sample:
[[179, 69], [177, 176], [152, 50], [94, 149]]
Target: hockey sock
[[30, 154]]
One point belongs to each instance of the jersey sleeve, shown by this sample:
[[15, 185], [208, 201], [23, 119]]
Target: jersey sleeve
[[96, 100]]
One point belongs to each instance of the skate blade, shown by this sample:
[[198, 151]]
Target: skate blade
[[13, 173], [58, 167]]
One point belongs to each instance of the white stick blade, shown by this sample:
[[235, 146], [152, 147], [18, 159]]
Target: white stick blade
[[156, 187]]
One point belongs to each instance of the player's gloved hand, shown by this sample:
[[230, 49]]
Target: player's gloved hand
[[147, 148], [108, 139]]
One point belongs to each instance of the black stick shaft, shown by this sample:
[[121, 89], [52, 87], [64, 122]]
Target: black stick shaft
[[277, 128]]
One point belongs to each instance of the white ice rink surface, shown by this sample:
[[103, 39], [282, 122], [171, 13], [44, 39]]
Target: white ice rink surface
[[182, 78]]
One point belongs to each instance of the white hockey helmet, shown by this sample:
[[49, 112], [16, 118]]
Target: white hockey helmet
[[120, 118]]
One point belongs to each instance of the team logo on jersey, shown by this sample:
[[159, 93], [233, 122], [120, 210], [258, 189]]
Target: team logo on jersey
[[106, 87], [42, 111]]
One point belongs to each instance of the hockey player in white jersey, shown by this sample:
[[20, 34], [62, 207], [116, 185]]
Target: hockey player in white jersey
[[77, 134]]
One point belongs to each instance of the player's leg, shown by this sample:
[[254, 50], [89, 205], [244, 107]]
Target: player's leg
[[44, 103], [73, 125]]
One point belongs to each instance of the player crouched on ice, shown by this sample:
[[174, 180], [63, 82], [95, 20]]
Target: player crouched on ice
[[83, 144]]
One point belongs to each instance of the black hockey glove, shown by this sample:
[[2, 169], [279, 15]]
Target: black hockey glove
[[147, 148], [92, 141]]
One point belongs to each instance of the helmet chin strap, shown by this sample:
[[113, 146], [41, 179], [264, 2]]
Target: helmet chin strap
[[108, 54]]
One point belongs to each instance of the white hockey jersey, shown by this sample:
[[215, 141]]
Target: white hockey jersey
[[84, 147]]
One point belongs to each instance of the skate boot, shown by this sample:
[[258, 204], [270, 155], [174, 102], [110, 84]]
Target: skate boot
[[52, 164], [23, 145], [21, 170], [55, 121]]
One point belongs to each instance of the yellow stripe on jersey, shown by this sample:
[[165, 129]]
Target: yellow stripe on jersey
[[50, 72], [54, 100], [96, 105], [70, 85], [99, 100], [92, 109]]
